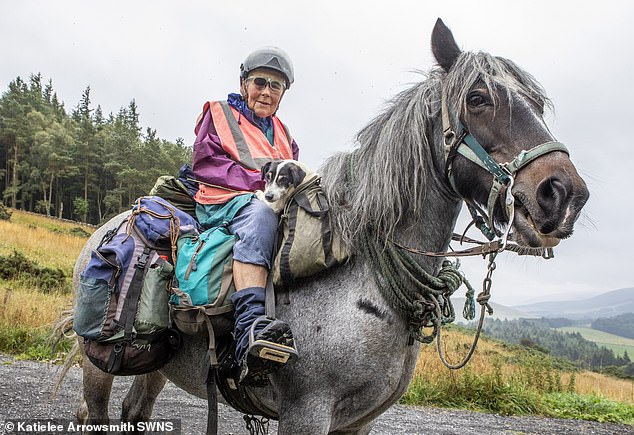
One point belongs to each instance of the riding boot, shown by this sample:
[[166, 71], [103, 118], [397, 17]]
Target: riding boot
[[263, 344]]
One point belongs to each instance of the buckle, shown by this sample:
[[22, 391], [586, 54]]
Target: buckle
[[143, 259]]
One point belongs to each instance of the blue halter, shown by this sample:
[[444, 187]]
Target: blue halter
[[468, 146]]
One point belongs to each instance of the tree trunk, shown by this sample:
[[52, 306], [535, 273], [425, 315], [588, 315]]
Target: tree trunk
[[85, 216], [50, 195], [7, 169], [14, 177], [120, 198], [99, 213]]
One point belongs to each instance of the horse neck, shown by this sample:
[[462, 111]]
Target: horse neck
[[430, 227], [394, 183]]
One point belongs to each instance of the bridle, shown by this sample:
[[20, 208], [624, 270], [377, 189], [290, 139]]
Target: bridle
[[461, 141]]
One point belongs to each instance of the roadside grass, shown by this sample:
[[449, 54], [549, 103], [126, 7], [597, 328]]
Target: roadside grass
[[513, 380], [37, 255], [27, 320], [50, 242], [596, 408], [595, 384]]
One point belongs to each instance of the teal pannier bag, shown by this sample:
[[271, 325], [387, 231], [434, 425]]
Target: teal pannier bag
[[203, 266], [201, 298], [201, 301]]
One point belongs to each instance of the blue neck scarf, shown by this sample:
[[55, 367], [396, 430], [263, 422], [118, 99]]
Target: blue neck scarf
[[236, 101]]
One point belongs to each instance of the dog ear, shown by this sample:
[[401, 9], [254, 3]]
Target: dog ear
[[297, 175], [265, 169]]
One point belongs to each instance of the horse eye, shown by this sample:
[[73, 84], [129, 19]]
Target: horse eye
[[476, 99]]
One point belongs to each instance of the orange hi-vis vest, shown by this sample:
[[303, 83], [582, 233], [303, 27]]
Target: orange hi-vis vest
[[245, 143]]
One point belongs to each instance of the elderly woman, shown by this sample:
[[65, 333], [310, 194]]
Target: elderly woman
[[234, 138]]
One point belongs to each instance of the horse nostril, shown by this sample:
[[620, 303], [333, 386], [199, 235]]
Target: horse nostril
[[552, 197]]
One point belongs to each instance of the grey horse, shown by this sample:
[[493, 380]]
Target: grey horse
[[356, 353]]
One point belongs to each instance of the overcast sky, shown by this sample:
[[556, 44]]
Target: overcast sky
[[351, 57]]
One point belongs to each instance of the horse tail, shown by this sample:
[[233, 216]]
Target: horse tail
[[63, 329]]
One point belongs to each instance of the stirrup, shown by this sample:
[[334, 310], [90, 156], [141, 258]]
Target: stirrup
[[270, 351], [274, 342]]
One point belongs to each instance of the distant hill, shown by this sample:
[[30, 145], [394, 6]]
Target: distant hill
[[500, 312], [604, 305]]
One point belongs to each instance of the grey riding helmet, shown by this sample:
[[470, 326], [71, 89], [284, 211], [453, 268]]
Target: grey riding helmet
[[269, 57]]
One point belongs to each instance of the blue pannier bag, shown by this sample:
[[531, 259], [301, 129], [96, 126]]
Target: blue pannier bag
[[122, 302]]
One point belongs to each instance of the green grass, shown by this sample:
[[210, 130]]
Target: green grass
[[514, 380], [571, 405], [616, 343], [32, 343], [535, 388]]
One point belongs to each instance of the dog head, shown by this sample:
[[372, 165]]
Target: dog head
[[282, 178]]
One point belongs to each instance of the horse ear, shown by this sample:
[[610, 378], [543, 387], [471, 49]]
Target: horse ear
[[444, 46]]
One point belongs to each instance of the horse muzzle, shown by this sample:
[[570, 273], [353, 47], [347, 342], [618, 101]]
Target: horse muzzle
[[547, 215]]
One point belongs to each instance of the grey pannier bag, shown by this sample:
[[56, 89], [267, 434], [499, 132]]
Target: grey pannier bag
[[308, 243]]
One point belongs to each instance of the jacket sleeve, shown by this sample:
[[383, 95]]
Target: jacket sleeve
[[295, 148], [212, 164]]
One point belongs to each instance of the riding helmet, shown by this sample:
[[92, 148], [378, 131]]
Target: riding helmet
[[269, 57]]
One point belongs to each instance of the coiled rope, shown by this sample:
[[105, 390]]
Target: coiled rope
[[423, 298], [174, 221]]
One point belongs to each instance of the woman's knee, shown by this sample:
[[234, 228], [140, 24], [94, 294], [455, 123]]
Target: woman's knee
[[256, 227], [263, 214]]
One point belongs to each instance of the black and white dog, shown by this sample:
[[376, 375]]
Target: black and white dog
[[282, 178]]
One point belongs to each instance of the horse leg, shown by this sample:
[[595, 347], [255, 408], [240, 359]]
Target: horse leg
[[307, 422], [303, 416], [97, 386], [139, 402]]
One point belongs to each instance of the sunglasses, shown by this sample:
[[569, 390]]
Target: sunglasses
[[261, 83]]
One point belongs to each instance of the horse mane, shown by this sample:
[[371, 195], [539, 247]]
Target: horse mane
[[491, 72], [387, 176]]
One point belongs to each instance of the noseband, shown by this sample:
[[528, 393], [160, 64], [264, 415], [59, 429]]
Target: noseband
[[503, 174]]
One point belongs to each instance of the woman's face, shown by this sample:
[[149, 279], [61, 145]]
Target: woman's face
[[263, 99]]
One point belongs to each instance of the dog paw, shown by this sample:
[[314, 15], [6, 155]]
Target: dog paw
[[260, 195]]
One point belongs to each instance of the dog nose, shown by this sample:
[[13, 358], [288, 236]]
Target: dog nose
[[268, 197]]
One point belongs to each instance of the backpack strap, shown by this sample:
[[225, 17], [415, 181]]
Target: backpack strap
[[128, 313], [212, 402], [202, 314]]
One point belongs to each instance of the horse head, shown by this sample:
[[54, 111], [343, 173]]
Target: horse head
[[490, 102]]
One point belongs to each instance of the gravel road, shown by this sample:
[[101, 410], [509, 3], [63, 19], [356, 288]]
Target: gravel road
[[25, 394]]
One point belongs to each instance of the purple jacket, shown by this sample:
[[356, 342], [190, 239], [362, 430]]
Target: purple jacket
[[212, 165]]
